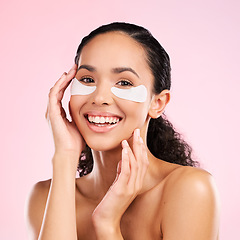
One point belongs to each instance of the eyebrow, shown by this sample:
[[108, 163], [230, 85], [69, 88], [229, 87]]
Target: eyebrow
[[88, 67], [124, 69], [114, 70]]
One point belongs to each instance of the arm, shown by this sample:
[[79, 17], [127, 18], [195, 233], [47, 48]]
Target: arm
[[191, 206], [59, 218], [50, 212]]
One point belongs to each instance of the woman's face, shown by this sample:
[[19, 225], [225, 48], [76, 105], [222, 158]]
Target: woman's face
[[111, 60]]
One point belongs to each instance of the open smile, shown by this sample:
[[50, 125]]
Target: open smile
[[100, 123]]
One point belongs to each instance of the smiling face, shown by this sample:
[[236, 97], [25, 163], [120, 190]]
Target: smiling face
[[111, 61]]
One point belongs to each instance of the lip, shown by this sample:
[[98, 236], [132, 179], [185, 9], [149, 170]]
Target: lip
[[101, 129], [102, 114]]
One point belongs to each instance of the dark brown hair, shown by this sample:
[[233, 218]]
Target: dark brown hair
[[163, 140]]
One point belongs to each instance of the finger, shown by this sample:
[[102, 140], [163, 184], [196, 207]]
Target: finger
[[119, 166], [144, 164], [133, 166], [137, 151], [66, 76], [54, 94], [63, 82], [69, 76], [125, 167], [137, 146], [57, 91]]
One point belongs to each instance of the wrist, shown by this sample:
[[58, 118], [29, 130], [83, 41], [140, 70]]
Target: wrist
[[66, 154], [65, 162], [107, 230]]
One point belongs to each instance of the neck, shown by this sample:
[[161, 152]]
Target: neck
[[105, 168]]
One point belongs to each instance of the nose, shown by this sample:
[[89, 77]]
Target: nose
[[102, 95]]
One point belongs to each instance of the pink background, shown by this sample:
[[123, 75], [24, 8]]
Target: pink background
[[38, 43]]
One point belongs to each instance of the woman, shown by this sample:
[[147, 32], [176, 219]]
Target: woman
[[138, 180]]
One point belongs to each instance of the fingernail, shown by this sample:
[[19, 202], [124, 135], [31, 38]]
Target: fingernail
[[125, 146], [138, 132], [124, 143]]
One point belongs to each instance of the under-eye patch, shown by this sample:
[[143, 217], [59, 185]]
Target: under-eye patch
[[78, 88], [135, 94]]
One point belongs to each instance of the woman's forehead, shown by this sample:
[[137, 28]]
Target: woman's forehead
[[115, 49], [114, 44]]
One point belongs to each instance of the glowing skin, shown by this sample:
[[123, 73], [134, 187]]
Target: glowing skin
[[111, 201], [101, 64], [135, 94]]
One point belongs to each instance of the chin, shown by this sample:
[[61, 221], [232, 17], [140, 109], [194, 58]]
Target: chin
[[99, 144], [105, 147], [108, 141]]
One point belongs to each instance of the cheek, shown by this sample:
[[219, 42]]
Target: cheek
[[135, 113], [75, 104]]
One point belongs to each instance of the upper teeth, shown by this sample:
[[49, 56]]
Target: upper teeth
[[99, 119]]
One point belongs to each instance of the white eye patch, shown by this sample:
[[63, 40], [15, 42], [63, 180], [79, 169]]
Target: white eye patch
[[78, 88], [135, 94]]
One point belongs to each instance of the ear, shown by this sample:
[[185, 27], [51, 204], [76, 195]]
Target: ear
[[158, 103]]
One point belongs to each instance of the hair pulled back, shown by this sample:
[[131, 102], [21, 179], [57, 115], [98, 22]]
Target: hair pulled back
[[163, 140]]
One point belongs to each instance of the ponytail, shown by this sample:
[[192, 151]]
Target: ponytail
[[165, 143]]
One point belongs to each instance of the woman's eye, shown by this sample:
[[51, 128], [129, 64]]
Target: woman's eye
[[86, 80], [124, 83]]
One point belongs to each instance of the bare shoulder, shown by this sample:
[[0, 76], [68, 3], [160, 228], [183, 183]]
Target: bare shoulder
[[35, 206], [39, 192], [190, 180], [190, 205]]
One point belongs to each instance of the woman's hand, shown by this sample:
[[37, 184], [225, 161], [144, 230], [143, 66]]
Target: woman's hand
[[67, 138], [127, 185]]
